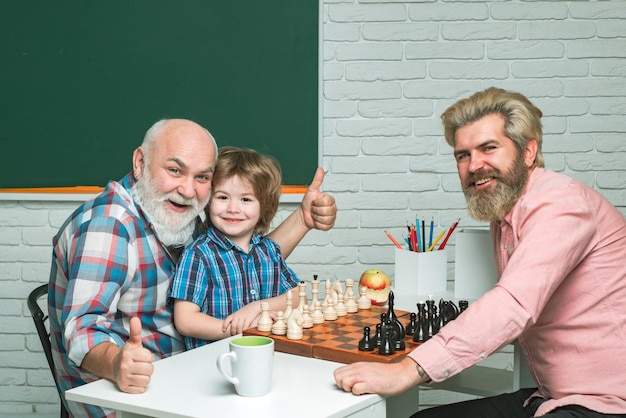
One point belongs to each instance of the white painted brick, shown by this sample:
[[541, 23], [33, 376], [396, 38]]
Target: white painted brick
[[549, 68], [36, 272], [400, 32], [339, 109], [334, 255], [610, 142], [333, 71], [474, 69], [550, 29], [400, 146], [38, 236], [10, 236], [384, 71], [616, 197], [596, 162], [374, 127], [23, 253], [341, 146], [395, 108], [12, 342], [363, 201], [450, 89], [452, 50], [17, 216], [599, 123], [336, 90], [367, 13], [345, 32], [449, 12], [9, 271], [436, 200], [396, 183], [562, 107], [608, 106], [478, 31], [573, 143], [595, 87], [432, 164], [371, 165], [515, 50], [598, 10], [369, 51], [10, 307], [611, 180], [13, 377], [450, 183], [612, 29], [529, 11], [597, 48]]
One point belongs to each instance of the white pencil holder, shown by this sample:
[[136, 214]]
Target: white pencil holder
[[420, 274]]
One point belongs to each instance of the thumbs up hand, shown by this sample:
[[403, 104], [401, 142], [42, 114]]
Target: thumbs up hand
[[318, 209], [133, 366]]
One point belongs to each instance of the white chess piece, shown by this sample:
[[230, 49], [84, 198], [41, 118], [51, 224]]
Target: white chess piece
[[302, 294], [289, 307], [317, 315], [314, 291], [330, 314], [327, 296], [340, 307], [265, 321], [307, 320], [280, 326], [364, 302], [351, 305], [294, 325]]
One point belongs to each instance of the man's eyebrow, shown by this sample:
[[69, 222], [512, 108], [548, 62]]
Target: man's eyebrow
[[177, 161]]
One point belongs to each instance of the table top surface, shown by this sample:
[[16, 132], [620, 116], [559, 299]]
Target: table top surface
[[189, 385]]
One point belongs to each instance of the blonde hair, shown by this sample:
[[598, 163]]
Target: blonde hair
[[261, 171], [522, 120]]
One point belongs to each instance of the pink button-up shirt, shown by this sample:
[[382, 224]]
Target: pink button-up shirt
[[561, 257]]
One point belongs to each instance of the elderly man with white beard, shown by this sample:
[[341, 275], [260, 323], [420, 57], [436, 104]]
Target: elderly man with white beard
[[115, 256]]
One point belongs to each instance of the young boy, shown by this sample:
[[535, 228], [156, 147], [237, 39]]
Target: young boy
[[224, 275]]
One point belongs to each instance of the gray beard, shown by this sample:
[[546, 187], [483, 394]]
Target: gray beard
[[171, 229], [494, 205]]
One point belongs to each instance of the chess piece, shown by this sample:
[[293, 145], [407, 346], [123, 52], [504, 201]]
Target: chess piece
[[314, 290], [378, 336], [337, 290], [330, 314], [412, 325], [302, 294], [307, 320], [289, 307], [340, 308], [463, 304], [327, 296], [431, 320], [387, 346], [418, 336], [317, 315], [265, 321], [280, 326], [294, 325], [364, 302], [366, 343], [351, 305], [398, 328]]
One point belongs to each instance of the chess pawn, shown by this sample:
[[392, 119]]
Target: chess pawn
[[327, 296], [289, 307], [307, 320], [302, 294], [340, 308], [265, 321], [280, 326], [294, 325], [412, 325], [419, 336], [330, 314], [366, 343], [387, 346], [463, 305], [317, 315], [364, 302], [351, 305]]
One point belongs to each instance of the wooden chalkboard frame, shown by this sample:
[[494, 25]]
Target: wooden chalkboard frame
[[84, 79]]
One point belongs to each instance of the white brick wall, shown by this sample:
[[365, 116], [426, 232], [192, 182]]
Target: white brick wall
[[390, 68]]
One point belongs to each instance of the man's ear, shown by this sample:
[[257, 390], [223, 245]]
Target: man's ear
[[530, 152], [138, 163]]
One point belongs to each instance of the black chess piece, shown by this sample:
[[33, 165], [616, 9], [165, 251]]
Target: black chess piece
[[378, 336], [398, 329], [387, 346], [418, 337], [463, 304], [412, 325], [431, 320], [366, 343]]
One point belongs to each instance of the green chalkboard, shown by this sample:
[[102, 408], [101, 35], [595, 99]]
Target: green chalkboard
[[82, 80]]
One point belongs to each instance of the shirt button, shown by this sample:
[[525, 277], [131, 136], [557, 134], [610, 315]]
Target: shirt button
[[482, 354], [446, 374], [253, 292]]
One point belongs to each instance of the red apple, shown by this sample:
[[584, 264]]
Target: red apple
[[378, 286]]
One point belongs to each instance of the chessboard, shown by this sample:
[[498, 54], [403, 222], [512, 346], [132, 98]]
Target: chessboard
[[338, 340]]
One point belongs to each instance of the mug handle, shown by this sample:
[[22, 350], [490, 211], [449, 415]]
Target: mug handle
[[232, 357]]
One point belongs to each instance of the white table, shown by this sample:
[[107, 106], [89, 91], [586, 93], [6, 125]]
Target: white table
[[189, 385]]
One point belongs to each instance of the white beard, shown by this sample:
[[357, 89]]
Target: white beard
[[171, 228]]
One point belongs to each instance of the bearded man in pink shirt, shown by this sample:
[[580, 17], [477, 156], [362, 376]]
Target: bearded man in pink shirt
[[560, 251]]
